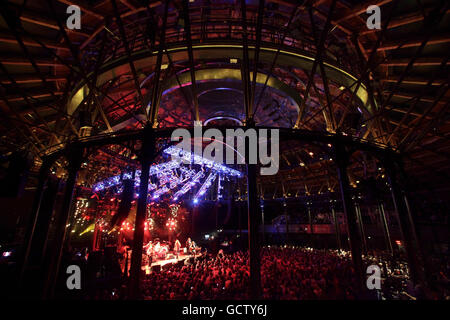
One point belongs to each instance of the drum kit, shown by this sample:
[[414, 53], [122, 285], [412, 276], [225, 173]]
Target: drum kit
[[158, 250]]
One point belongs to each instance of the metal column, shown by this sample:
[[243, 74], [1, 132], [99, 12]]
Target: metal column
[[263, 222], [336, 228], [342, 161], [387, 235], [286, 219], [75, 156], [147, 154], [253, 236], [361, 227], [406, 224], [34, 217], [311, 225]]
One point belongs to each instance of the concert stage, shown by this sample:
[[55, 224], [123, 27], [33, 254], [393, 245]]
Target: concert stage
[[163, 262], [159, 263]]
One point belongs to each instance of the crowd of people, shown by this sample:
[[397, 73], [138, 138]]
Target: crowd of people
[[286, 273]]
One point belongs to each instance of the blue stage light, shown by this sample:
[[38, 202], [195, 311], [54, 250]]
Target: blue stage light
[[171, 174]]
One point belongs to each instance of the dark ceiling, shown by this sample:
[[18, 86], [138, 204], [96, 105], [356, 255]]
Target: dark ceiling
[[325, 71]]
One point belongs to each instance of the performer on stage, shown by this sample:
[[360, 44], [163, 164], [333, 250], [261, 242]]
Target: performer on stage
[[157, 247], [149, 248], [149, 251], [188, 244], [193, 246], [177, 247]]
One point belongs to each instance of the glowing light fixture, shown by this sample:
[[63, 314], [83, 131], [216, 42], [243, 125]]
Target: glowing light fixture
[[190, 157], [205, 186]]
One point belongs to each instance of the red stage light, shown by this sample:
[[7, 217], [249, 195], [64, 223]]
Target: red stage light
[[171, 224]]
